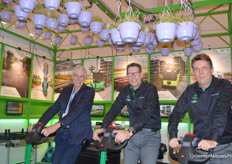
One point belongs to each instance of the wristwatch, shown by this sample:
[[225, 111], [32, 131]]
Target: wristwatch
[[131, 130]]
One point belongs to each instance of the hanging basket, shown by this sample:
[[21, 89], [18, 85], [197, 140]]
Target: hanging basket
[[153, 45], [110, 42], [52, 4], [188, 51], [141, 38], [96, 27], [129, 31], [197, 36], [73, 9], [21, 24], [7, 1], [73, 40], [84, 29], [38, 31], [52, 23], [105, 35], [88, 41], [63, 20], [85, 18], [27, 5], [39, 20], [47, 35], [196, 41], [73, 20], [198, 47], [152, 37], [120, 47], [149, 51], [185, 31], [164, 51], [61, 28], [19, 14], [100, 43], [147, 39], [5, 15], [115, 36], [135, 48], [57, 40], [165, 32]]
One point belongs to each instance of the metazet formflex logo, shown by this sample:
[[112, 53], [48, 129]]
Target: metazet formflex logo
[[194, 99]]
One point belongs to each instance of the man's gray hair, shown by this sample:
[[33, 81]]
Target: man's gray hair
[[80, 68]]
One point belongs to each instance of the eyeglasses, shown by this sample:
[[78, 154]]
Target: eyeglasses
[[81, 76], [134, 73]]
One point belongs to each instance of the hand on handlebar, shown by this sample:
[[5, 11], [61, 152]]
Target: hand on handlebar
[[96, 133], [174, 142], [122, 135], [30, 127], [207, 144], [51, 129]]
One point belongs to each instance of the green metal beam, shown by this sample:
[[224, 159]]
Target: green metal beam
[[211, 13], [22, 37], [79, 48]]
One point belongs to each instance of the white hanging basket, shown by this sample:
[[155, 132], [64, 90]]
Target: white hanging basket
[[84, 29], [165, 31], [129, 31], [5, 15], [57, 40], [52, 4], [185, 31], [100, 43], [141, 38], [147, 39], [85, 18], [63, 20], [197, 36], [7, 1], [115, 36], [196, 41], [152, 37], [96, 27], [198, 47], [47, 35], [135, 48], [38, 31], [73, 9], [88, 41], [39, 20], [21, 24], [27, 5], [188, 51], [61, 28], [73, 40], [19, 14], [73, 20], [164, 51], [110, 42], [52, 23], [120, 47], [105, 35], [149, 51]]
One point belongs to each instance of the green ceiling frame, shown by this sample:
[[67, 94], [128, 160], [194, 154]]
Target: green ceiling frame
[[110, 13]]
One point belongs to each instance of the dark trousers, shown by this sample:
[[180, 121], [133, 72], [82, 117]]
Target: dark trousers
[[66, 151]]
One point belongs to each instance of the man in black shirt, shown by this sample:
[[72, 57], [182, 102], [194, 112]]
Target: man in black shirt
[[209, 100], [142, 102]]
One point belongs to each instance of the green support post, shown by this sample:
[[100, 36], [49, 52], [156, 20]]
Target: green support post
[[28, 154], [103, 157]]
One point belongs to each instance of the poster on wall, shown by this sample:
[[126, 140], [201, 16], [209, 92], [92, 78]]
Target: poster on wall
[[15, 73], [63, 75], [169, 74], [42, 79], [221, 59], [121, 62], [99, 77]]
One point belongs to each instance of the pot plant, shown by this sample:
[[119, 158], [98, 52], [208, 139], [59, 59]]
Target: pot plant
[[141, 37], [129, 29], [96, 25], [47, 34], [39, 18], [21, 24], [85, 18], [198, 47], [166, 27], [84, 29], [149, 51], [165, 49], [196, 41], [105, 35], [52, 4], [57, 39], [73, 40], [52, 22], [19, 14], [38, 31], [88, 40], [73, 8], [61, 28], [6, 15], [188, 50], [27, 5], [114, 33], [63, 18], [7, 1], [100, 43]]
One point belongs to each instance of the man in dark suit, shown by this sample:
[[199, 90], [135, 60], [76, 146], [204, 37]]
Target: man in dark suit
[[73, 105]]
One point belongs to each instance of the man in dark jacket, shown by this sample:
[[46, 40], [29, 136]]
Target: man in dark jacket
[[142, 102], [74, 106], [209, 100]]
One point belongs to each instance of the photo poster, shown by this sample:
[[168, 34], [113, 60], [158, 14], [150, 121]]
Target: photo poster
[[169, 74], [99, 77], [15, 73], [63, 75], [97, 110], [120, 65], [221, 59], [42, 79]]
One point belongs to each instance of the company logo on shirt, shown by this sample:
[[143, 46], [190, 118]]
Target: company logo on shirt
[[194, 99], [128, 97]]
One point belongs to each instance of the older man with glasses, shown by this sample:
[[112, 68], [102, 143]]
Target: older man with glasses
[[143, 134]]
